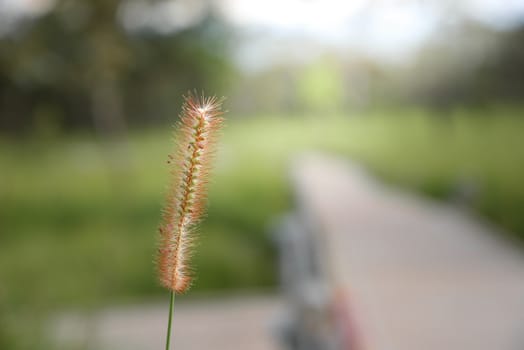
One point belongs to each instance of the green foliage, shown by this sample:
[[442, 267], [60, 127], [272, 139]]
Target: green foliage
[[76, 66], [321, 86]]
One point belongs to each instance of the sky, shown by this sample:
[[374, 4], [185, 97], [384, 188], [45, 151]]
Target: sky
[[387, 30], [325, 15]]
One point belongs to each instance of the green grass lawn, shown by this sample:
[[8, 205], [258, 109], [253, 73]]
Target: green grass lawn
[[78, 217]]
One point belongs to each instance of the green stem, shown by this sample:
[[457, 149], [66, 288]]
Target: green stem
[[171, 303]]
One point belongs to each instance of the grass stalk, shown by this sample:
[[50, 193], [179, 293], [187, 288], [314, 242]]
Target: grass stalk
[[170, 319], [195, 140]]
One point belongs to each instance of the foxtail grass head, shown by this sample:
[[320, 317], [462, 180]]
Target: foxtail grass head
[[195, 144]]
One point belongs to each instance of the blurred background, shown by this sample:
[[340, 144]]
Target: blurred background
[[425, 94]]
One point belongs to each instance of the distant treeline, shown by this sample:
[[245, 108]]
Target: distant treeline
[[76, 66], [481, 66], [467, 65]]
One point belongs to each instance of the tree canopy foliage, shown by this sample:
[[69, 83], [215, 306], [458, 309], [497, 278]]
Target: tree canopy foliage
[[76, 65]]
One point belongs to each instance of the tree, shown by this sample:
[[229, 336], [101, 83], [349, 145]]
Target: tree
[[78, 64]]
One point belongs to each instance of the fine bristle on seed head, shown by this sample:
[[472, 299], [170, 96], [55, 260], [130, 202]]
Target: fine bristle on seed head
[[195, 144]]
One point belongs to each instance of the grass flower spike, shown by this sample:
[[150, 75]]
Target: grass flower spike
[[195, 138]]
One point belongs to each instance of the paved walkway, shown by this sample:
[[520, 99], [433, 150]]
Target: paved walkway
[[419, 275], [218, 323]]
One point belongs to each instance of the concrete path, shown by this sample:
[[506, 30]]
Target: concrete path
[[419, 275], [218, 323]]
